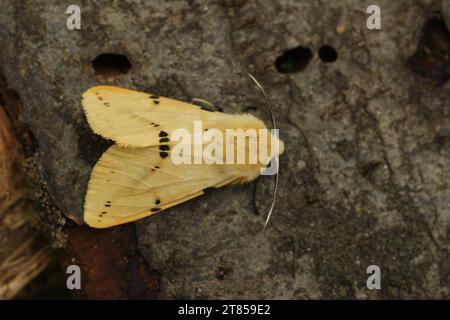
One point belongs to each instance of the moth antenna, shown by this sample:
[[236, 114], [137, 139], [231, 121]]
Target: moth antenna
[[266, 98], [269, 108]]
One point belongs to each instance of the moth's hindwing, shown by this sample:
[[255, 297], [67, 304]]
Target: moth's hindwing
[[128, 184]]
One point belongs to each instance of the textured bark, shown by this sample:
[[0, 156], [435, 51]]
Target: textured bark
[[24, 252], [365, 175]]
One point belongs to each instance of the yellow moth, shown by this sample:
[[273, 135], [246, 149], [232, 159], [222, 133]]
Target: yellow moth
[[137, 176]]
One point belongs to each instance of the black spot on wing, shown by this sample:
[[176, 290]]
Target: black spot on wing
[[163, 134], [163, 154], [162, 140], [155, 209], [157, 201], [164, 147]]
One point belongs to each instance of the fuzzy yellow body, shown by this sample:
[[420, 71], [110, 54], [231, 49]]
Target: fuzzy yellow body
[[136, 177]]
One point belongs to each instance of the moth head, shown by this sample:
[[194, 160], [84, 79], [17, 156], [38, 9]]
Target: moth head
[[278, 144], [271, 145]]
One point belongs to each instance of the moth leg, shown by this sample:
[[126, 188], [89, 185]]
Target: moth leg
[[206, 105]]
